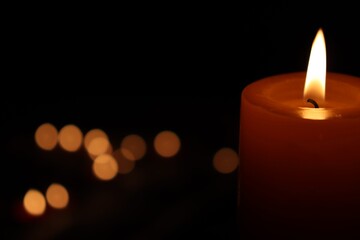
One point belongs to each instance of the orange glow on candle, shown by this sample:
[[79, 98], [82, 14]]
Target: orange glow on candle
[[298, 175]]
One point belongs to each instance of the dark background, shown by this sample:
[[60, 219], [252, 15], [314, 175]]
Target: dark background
[[143, 69]]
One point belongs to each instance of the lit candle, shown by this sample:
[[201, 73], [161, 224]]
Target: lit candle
[[300, 153]]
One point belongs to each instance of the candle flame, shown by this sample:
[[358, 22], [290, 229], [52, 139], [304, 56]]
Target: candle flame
[[316, 72]]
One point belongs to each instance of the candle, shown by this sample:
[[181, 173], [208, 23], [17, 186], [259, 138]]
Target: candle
[[299, 175]]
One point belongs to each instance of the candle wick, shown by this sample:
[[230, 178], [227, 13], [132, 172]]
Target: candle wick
[[313, 102]]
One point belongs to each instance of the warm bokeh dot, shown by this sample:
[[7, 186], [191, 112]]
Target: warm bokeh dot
[[133, 147], [92, 134], [57, 196], [98, 146], [34, 202], [226, 160], [46, 136], [70, 138], [105, 167], [109, 150], [125, 165], [167, 144]]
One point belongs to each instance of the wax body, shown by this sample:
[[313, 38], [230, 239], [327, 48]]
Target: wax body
[[299, 177]]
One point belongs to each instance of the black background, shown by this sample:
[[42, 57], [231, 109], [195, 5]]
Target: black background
[[143, 69]]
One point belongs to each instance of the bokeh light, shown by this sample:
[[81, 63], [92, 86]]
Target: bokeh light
[[34, 202], [70, 138], [46, 136], [133, 147], [96, 142], [57, 196], [92, 134], [98, 146], [167, 144], [226, 160], [108, 151], [105, 167], [125, 165]]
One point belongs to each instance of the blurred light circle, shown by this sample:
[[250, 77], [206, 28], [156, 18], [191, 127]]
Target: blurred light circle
[[133, 147], [57, 196], [34, 202], [226, 160], [92, 134], [105, 167], [70, 138], [98, 146], [167, 144], [46, 136], [125, 165], [109, 150]]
